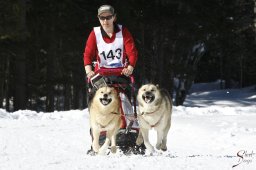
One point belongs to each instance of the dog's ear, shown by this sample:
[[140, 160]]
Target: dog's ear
[[157, 85]]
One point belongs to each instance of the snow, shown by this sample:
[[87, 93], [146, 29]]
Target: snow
[[206, 133]]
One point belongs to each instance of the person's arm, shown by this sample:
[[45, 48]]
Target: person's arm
[[130, 51], [89, 54], [130, 48]]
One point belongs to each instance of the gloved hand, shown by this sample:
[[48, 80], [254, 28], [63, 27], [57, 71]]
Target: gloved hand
[[127, 71]]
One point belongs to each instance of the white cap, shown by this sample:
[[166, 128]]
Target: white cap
[[106, 8]]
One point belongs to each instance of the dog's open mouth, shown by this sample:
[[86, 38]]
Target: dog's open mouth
[[148, 98], [105, 101]]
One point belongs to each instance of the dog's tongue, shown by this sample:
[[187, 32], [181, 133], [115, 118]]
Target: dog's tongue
[[147, 99], [104, 102]]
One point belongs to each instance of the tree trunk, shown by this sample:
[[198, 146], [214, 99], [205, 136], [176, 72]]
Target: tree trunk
[[20, 58], [20, 80], [255, 20], [2, 78], [50, 71], [49, 81], [51, 64], [67, 97], [142, 72]]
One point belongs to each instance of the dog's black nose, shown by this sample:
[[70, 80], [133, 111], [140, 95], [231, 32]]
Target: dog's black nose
[[148, 93], [105, 96]]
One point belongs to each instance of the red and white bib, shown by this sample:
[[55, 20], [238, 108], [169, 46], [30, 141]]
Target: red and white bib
[[110, 54]]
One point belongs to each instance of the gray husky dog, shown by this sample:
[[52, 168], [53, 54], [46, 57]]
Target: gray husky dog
[[154, 111]]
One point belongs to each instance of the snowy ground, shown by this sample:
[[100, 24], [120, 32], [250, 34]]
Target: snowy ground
[[207, 133]]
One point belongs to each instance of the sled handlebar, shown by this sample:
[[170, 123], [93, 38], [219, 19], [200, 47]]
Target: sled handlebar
[[109, 71], [112, 72]]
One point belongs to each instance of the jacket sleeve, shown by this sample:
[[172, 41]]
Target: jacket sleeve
[[130, 48], [90, 49]]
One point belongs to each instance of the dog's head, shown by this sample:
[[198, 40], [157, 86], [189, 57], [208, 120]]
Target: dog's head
[[106, 95], [148, 93]]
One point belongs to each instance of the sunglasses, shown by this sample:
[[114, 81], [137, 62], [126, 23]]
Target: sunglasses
[[106, 17]]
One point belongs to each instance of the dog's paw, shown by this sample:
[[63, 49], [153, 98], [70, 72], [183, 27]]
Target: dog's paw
[[151, 149], [158, 146], [102, 151], [96, 148], [163, 147], [91, 152], [150, 152], [113, 149]]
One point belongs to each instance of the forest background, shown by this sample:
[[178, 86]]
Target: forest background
[[42, 44]]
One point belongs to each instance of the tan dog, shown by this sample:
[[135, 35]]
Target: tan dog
[[105, 115], [154, 111]]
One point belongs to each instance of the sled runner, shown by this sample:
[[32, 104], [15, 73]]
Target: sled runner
[[125, 86]]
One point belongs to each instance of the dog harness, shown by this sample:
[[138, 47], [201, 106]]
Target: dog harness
[[152, 113], [101, 126]]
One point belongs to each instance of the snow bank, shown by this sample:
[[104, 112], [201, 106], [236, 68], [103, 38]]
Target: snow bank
[[28, 114]]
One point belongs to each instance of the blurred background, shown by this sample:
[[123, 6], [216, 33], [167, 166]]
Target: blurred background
[[180, 42]]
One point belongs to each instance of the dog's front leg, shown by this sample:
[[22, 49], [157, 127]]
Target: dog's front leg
[[113, 141], [159, 139], [144, 133], [110, 135], [165, 133], [104, 147], [95, 142]]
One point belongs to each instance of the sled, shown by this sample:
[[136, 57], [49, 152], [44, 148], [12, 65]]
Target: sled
[[129, 130]]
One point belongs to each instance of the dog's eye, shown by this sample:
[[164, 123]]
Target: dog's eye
[[152, 90], [109, 93]]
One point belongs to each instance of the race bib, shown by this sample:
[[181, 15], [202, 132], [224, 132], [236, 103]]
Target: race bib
[[110, 54]]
